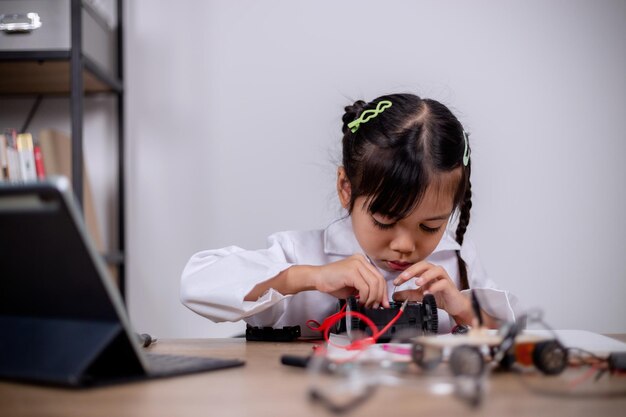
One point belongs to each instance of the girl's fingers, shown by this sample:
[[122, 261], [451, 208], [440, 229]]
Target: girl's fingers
[[414, 270], [434, 274], [362, 286], [377, 284], [385, 300], [449, 298], [411, 295], [374, 271], [355, 275], [438, 286]]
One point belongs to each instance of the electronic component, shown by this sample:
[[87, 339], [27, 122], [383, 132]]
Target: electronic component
[[550, 357], [460, 329], [270, 334], [294, 360], [145, 340], [467, 361], [617, 361], [419, 318]]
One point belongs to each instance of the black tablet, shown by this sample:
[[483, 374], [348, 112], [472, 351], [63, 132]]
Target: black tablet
[[62, 319]]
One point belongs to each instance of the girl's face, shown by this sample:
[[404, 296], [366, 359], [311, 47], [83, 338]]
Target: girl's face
[[394, 245]]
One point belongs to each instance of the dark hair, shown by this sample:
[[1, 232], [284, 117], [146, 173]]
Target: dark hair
[[395, 156]]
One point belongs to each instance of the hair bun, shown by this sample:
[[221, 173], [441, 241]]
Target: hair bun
[[351, 113]]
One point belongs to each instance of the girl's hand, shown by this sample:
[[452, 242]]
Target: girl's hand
[[434, 279], [354, 274]]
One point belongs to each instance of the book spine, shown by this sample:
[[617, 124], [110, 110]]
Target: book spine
[[13, 158], [39, 165], [26, 156], [4, 163]]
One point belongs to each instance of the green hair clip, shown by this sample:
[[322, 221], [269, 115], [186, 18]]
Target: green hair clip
[[367, 115], [466, 152]]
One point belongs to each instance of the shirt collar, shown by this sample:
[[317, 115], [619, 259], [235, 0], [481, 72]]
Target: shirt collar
[[339, 239]]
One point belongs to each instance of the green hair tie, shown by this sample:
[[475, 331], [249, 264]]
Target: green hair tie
[[367, 115], [466, 152]]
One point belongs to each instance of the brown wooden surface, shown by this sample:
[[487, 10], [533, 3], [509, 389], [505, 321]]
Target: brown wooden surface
[[35, 77], [264, 387]]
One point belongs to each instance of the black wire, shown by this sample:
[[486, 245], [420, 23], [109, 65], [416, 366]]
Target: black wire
[[588, 353], [318, 396], [31, 113], [476, 309]]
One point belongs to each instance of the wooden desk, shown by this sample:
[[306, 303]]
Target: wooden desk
[[264, 387]]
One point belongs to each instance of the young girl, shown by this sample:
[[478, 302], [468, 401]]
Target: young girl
[[405, 175]]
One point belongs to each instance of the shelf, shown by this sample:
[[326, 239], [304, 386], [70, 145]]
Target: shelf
[[48, 72], [68, 68]]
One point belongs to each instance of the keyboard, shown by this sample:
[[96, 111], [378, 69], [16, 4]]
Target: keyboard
[[168, 365]]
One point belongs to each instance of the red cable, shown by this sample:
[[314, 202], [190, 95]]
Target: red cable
[[594, 369], [330, 321], [393, 320]]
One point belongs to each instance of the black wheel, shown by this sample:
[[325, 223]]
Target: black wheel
[[430, 321], [505, 352], [550, 357], [340, 326], [467, 360], [426, 357], [508, 360]]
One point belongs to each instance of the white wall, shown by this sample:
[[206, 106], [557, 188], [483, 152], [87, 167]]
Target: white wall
[[234, 119]]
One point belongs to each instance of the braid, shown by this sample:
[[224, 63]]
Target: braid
[[464, 219]]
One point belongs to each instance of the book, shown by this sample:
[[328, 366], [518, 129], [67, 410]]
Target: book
[[26, 157], [39, 165], [56, 149], [14, 172], [4, 165]]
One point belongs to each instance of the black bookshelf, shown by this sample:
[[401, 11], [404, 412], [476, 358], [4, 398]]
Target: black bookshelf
[[44, 73]]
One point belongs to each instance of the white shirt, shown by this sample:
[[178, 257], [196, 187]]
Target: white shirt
[[215, 282]]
